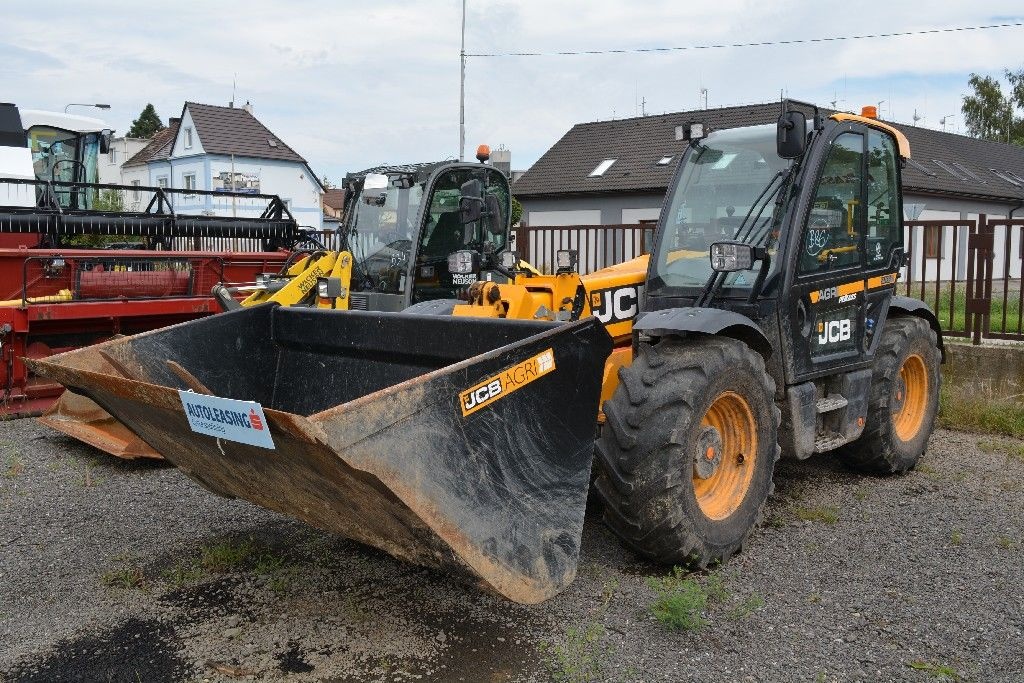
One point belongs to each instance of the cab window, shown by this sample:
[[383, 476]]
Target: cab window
[[885, 229], [832, 235]]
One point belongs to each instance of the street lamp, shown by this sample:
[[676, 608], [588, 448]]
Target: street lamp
[[80, 104]]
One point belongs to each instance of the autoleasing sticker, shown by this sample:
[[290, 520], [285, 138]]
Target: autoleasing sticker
[[505, 382], [225, 418]]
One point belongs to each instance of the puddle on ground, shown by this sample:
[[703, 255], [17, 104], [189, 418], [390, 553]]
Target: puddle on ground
[[136, 650]]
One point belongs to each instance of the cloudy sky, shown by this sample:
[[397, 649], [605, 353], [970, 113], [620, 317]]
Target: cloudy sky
[[352, 84]]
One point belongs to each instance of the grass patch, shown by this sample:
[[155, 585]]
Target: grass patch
[[1004, 542], [130, 576], [13, 466], [580, 659], [680, 601], [1012, 451], [817, 513], [960, 410], [225, 556], [182, 574], [753, 603], [940, 671], [956, 538]]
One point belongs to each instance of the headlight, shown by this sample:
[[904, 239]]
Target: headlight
[[727, 257], [509, 260], [565, 259], [463, 262], [263, 279], [329, 288]]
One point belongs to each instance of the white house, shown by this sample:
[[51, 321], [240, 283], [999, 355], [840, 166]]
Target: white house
[[121, 150], [225, 148]]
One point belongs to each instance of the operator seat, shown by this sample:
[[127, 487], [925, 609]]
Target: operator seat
[[446, 237]]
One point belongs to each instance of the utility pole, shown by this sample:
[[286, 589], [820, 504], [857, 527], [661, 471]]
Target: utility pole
[[462, 88]]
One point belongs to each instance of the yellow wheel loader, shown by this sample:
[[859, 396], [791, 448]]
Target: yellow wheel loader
[[764, 321]]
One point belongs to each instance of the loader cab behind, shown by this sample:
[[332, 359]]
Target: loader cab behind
[[403, 223]]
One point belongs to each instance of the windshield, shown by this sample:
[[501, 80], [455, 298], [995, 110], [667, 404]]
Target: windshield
[[383, 228], [726, 191], [65, 156]]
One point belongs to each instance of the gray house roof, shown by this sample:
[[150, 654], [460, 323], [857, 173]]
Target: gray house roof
[[942, 163], [233, 130], [159, 146]]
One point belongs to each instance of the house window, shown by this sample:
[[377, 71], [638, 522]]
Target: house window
[[161, 181], [932, 241], [113, 155], [602, 167], [189, 181], [188, 138], [135, 193]]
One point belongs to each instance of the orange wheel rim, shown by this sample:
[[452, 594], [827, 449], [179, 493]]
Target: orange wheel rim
[[720, 494], [911, 396]]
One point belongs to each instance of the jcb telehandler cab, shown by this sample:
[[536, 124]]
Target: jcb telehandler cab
[[764, 321]]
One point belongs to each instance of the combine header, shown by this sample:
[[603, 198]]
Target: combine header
[[81, 262]]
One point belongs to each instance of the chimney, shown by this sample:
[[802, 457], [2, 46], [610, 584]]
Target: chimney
[[173, 121], [247, 107]]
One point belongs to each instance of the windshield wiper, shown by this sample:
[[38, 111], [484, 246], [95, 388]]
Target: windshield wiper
[[717, 279]]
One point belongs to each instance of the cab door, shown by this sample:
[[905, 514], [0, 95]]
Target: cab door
[[827, 306], [849, 253]]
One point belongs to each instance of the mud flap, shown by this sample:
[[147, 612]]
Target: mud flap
[[459, 443]]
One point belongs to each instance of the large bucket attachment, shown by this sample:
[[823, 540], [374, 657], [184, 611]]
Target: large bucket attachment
[[448, 442]]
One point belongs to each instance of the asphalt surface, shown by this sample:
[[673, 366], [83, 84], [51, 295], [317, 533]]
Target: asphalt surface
[[115, 571]]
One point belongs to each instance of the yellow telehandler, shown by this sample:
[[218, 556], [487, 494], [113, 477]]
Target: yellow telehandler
[[764, 321]]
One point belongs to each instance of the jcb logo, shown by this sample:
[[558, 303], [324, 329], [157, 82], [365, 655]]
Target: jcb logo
[[493, 388], [834, 331], [481, 395], [615, 305]]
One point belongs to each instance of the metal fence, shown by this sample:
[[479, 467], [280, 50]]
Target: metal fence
[[968, 271], [599, 246]]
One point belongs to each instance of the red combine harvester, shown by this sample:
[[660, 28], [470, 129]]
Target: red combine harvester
[[81, 262]]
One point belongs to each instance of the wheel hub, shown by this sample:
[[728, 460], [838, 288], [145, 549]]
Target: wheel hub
[[709, 453], [899, 395]]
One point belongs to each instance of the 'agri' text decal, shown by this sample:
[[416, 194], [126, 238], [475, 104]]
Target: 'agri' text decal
[[505, 382]]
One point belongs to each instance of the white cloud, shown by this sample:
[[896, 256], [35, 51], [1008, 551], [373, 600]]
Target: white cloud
[[357, 83]]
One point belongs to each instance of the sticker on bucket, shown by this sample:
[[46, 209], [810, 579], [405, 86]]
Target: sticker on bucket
[[225, 418], [505, 382]]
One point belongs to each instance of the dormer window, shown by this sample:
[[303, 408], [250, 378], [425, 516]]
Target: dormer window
[[602, 168], [665, 160]]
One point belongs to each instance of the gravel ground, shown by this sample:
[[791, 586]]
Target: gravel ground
[[115, 571]]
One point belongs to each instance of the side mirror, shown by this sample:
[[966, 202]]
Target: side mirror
[[471, 203], [495, 221], [105, 135], [791, 136], [728, 257]]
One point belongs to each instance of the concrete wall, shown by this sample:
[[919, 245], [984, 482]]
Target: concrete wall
[[985, 372]]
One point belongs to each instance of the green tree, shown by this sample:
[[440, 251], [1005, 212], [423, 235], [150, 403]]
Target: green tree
[[991, 115], [517, 211], [147, 125]]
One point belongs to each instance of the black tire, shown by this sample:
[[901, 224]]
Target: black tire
[[880, 448], [652, 433]]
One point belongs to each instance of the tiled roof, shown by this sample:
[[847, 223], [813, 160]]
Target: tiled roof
[[159, 146], [637, 144], [233, 130], [335, 198]]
